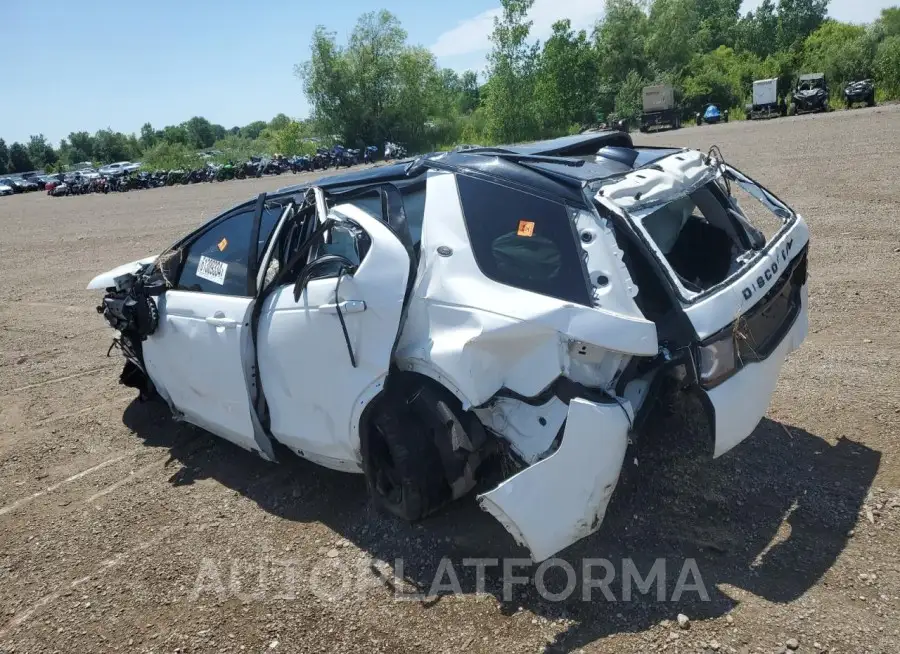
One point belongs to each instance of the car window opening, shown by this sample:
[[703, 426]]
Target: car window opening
[[698, 234]]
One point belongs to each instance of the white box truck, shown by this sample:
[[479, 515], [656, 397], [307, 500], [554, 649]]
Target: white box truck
[[765, 99], [659, 107]]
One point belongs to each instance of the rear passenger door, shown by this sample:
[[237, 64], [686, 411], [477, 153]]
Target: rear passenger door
[[324, 355]]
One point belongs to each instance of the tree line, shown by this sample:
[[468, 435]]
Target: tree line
[[378, 87], [174, 146]]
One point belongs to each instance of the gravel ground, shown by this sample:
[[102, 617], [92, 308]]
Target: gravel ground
[[123, 531]]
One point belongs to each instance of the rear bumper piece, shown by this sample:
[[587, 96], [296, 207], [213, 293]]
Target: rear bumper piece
[[563, 498], [740, 403]]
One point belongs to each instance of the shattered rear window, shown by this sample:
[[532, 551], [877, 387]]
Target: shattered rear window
[[755, 212]]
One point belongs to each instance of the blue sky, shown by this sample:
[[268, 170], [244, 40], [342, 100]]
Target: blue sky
[[91, 64]]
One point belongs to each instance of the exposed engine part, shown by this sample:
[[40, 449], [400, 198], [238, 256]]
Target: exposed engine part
[[129, 307]]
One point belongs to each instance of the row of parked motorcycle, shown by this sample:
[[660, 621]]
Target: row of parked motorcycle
[[88, 181]]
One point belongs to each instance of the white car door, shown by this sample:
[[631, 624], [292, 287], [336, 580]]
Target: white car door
[[200, 356], [324, 356]]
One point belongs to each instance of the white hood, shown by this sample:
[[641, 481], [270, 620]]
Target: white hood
[[105, 280]]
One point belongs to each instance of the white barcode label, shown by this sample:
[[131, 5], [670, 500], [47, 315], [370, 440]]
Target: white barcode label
[[212, 270]]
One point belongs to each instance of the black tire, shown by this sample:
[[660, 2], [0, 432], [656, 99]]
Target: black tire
[[402, 465], [870, 101]]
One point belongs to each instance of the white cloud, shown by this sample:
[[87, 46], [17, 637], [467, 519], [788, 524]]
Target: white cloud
[[472, 35]]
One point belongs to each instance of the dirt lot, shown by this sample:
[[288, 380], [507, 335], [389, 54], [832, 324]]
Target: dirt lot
[[123, 531]]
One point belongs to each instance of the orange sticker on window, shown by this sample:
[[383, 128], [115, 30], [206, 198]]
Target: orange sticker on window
[[526, 228], [223, 244]]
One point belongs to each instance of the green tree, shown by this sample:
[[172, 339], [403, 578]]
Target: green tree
[[887, 66], [566, 86], [19, 161], [236, 148], [4, 157], [629, 102], [797, 19], [40, 151], [723, 77], [673, 29], [756, 32], [289, 139], [621, 40], [468, 98], [279, 122], [888, 24], [718, 24], [176, 134], [148, 136], [200, 134], [374, 88], [512, 63], [842, 51], [253, 130], [170, 156], [81, 147], [110, 146]]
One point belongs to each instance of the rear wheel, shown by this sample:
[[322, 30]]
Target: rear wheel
[[870, 101], [401, 462]]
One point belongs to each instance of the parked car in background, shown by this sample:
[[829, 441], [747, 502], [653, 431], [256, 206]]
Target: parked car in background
[[119, 167], [860, 92], [6, 189], [18, 184], [52, 181]]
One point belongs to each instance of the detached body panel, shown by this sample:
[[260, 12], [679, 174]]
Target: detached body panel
[[563, 498]]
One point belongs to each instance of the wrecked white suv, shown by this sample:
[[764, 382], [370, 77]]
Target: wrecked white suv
[[415, 320]]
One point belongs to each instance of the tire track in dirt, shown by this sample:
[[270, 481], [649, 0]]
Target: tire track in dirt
[[68, 480], [105, 566], [56, 380]]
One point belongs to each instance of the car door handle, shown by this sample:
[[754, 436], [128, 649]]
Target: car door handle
[[347, 306], [220, 321]]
